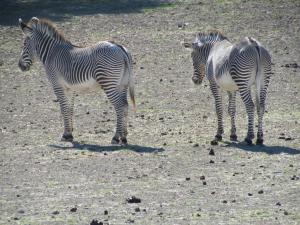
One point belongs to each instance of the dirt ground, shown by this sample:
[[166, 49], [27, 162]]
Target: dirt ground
[[167, 165]]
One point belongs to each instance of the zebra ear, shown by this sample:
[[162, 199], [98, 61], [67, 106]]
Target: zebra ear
[[34, 20], [24, 27], [186, 45]]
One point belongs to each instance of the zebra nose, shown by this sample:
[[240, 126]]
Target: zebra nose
[[22, 66], [196, 80]]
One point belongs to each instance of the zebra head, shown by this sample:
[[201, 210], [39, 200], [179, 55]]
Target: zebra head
[[199, 60], [27, 54]]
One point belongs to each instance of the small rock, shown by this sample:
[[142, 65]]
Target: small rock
[[224, 201], [260, 192], [73, 209], [204, 183], [95, 222], [196, 145], [137, 209], [133, 199], [211, 152], [285, 212], [213, 193], [55, 212], [187, 178], [211, 161], [129, 221], [249, 194], [278, 204], [202, 177], [21, 211]]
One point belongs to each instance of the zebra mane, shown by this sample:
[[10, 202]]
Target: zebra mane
[[210, 37], [46, 27]]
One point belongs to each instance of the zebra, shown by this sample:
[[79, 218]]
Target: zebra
[[71, 69], [233, 67]]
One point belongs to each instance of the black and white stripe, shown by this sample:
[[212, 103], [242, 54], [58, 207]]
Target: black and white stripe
[[70, 68], [233, 67]]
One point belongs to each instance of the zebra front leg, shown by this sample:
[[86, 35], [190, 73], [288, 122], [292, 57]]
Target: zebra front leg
[[232, 111], [219, 111], [66, 112], [247, 99]]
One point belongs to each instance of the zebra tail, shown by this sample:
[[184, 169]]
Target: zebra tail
[[128, 64], [131, 87], [259, 76]]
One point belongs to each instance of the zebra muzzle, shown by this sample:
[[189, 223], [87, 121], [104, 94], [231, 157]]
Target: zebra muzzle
[[24, 67], [196, 80]]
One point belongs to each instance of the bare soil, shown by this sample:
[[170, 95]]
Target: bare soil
[[169, 174]]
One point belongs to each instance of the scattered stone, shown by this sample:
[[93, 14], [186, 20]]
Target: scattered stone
[[289, 138], [224, 201], [291, 65], [21, 211], [233, 201], [294, 177], [137, 209], [249, 194], [73, 209], [213, 193], [163, 133], [130, 221], [204, 183], [291, 165], [196, 145], [211, 161], [211, 152], [133, 199], [260, 192], [278, 204], [285, 212], [87, 112], [55, 212], [187, 178], [202, 177], [95, 222]]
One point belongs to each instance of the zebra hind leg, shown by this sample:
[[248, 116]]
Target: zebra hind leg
[[232, 111], [247, 99], [121, 108]]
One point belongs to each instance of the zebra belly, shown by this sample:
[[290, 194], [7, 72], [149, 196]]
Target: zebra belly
[[225, 82], [87, 85]]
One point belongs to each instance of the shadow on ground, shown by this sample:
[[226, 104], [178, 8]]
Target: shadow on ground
[[97, 148], [11, 10], [271, 150]]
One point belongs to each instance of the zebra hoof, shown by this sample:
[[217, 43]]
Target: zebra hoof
[[67, 137], [214, 142], [260, 141], [115, 141], [218, 137], [123, 141], [233, 137], [248, 141]]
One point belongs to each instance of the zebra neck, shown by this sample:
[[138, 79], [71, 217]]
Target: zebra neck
[[206, 50], [45, 47]]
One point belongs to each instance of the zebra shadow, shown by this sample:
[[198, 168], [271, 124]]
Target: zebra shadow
[[98, 148], [271, 150]]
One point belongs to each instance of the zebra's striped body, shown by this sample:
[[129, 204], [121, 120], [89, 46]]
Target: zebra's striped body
[[69, 69], [233, 67]]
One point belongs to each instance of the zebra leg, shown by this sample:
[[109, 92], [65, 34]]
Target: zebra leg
[[120, 103], [247, 99], [232, 111], [219, 111], [66, 113]]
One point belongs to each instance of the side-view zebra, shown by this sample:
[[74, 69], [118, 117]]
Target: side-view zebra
[[70, 68], [233, 67]]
